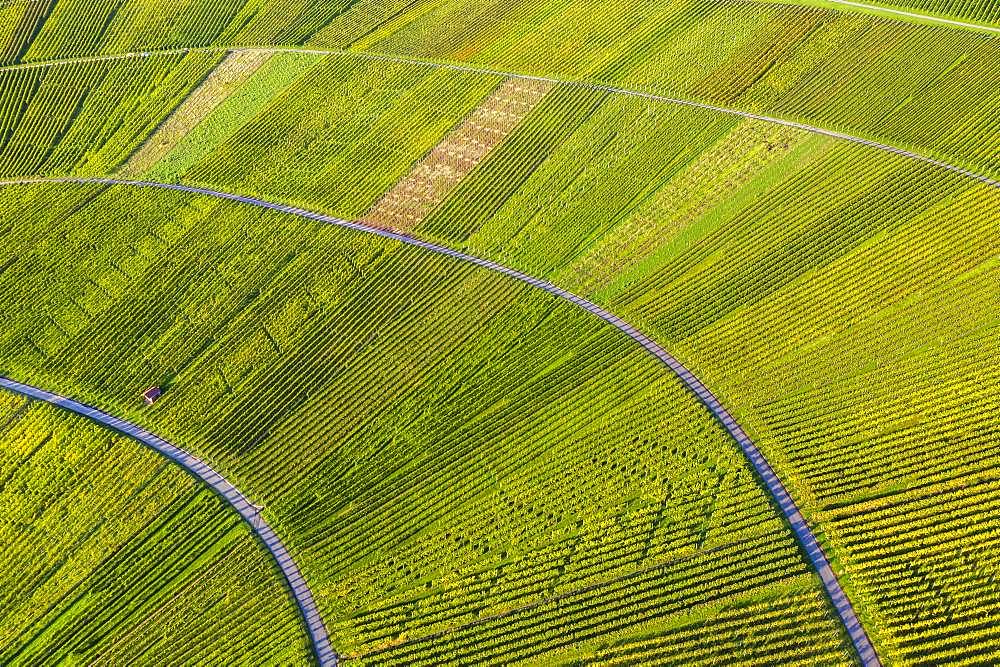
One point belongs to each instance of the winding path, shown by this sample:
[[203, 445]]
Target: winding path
[[325, 654], [616, 90], [803, 533]]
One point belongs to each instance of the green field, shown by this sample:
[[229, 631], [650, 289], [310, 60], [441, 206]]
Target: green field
[[465, 468], [89, 117], [913, 84], [114, 556], [864, 343], [316, 360]]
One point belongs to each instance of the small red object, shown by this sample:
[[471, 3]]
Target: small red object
[[151, 394]]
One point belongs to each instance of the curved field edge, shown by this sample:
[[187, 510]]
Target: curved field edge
[[248, 512], [114, 555], [917, 11], [776, 489], [813, 65], [791, 273], [794, 121], [911, 12], [713, 385]]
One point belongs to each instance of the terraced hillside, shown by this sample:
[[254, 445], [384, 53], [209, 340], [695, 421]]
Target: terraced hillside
[[800, 202], [330, 372]]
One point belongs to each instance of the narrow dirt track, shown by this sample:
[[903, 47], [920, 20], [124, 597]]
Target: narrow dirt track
[[803, 533]]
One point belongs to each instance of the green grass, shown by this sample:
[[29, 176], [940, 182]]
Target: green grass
[[113, 555]]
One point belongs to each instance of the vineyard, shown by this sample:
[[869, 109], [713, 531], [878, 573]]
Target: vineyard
[[893, 254], [316, 359], [114, 556], [555, 332], [981, 12], [917, 85], [89, 117]]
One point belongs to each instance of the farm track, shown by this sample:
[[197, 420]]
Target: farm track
[[916, 15], [325, 655], [615, 90], [803, 533]]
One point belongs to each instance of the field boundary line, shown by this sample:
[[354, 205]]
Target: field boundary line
[[876, 9], [487, 71], [195, 466], [616, 90], [870, 9], [800, 528]]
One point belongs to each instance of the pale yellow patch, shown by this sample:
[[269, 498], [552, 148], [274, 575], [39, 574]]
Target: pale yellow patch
[[227, 76], [437, 174], [718, 172]]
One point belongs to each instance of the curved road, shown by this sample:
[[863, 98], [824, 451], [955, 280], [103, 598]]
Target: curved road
[[472, 69], [325, 654], [803, 533]]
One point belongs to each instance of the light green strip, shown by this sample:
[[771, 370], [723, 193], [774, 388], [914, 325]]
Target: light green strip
[[232, 113]]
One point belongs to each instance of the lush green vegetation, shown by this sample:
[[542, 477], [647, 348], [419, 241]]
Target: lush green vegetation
[[883, 400], [89, 117], [915, 86], [73, 28], [19, 22], [343, 133], [233, 71], [930, 87], [113, 556], [841, 300], [920, 86], [336, 134], [76, 28], [409, 423], [982, 12], [245, 103]]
